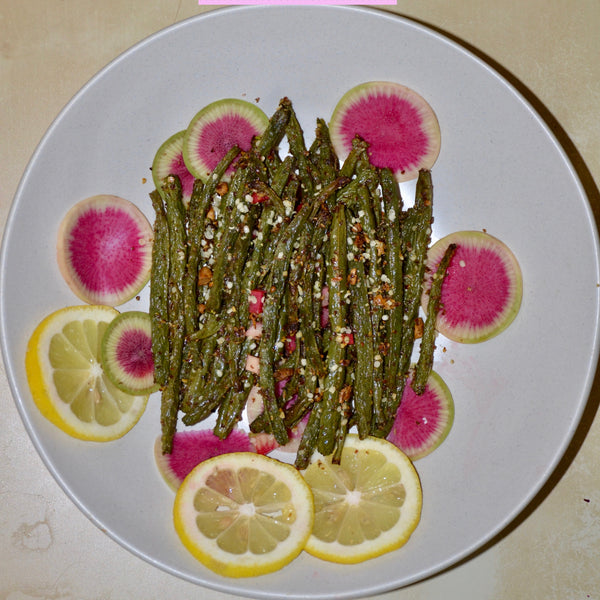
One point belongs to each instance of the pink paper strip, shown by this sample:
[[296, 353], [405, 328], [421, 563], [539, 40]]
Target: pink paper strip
[[295, 2]]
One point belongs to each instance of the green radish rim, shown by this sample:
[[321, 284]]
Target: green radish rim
[[141, 346], [403, 132], [413, 417], [212, 132], [466, 274], [168, 160], [164, 466]]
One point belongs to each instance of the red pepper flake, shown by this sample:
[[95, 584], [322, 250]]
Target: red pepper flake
[[256, 301], [259, 198], [347, 339]]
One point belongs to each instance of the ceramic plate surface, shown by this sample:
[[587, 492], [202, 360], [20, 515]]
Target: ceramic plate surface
[[518, 397]]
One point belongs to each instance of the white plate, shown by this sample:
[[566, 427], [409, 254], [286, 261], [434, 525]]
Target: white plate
[[518, 397]]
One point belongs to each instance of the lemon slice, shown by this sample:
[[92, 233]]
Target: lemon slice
[[66, 378], [367, 505], [243, 514]]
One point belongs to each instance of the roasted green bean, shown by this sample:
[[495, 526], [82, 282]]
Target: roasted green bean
[[425, 362], [337, 284], [174, 209], [159, 291], [392, 203]]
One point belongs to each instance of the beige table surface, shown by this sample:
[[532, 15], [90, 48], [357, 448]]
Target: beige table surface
[[48, 50]]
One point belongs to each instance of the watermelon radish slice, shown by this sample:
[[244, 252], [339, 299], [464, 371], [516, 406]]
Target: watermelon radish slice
[[399, 125], [483, 288], [104, 250], [216, 129], [126, 353], [264, 443], [192, 447], [168, 160], [423, 422]]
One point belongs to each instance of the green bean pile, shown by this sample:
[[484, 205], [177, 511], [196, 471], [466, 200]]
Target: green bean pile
[[341, 264]]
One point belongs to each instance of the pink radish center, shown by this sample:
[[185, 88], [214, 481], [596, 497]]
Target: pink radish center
[[134, 354], [476, 289], [218, 137], [177, 167], [104, 248], [416, 420], [397, 140], [190, 448]]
